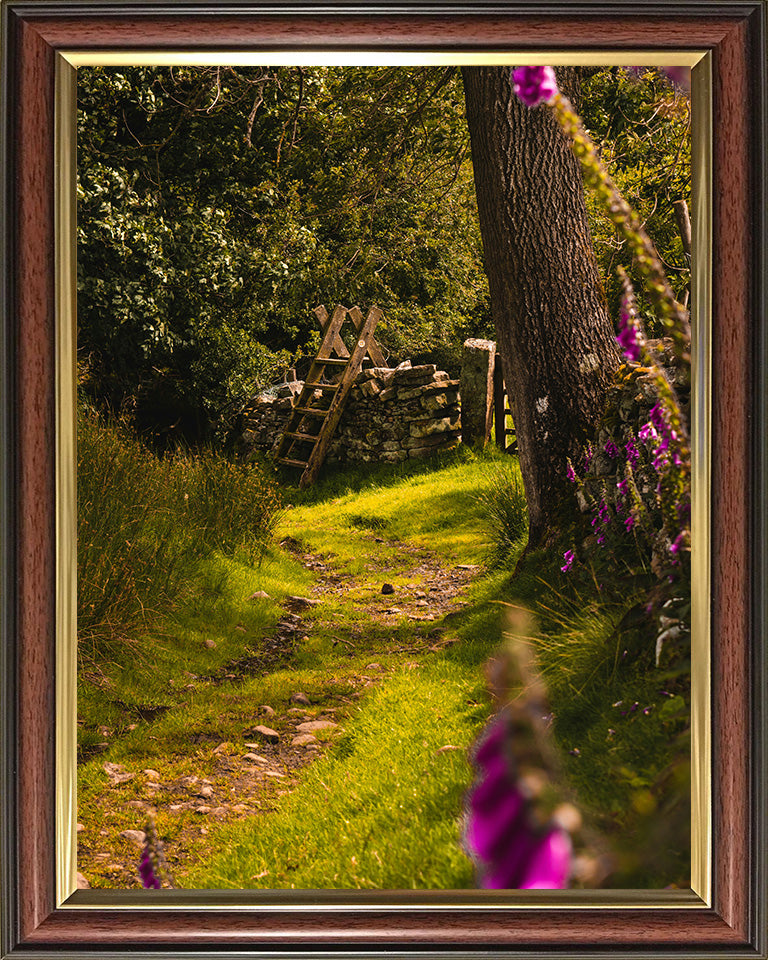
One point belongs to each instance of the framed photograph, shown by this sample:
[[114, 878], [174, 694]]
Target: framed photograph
[[724, 911]]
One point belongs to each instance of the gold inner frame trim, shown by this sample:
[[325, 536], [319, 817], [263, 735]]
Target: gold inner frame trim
[[67, 896]]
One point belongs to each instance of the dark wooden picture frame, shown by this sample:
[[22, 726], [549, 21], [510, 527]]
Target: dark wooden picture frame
[[734, 925]]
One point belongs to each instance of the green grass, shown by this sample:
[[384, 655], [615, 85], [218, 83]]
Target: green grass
[[163, 708], [148, 529], [381, 788], [621, 725], [442, 509], [382, 812]]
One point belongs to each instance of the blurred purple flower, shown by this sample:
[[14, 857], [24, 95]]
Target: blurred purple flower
[[611, 449], [534, 85], [680, 76], [628, 337], [569, 557], [509, 850], [633, 454], [149, 879], [571, 473]]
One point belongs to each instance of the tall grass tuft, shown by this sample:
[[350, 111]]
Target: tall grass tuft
[[506, 513], [235, 505], [146, 524]]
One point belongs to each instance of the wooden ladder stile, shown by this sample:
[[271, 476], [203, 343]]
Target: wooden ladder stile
[[313, 425]]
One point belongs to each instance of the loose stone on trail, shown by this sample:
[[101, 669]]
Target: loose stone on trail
[[303, 740], [387, 588], [260, 595], [117, 773], [313, 725], [135, 836], [300, 603], [267, 710], [211, 644], [268, 733], [301, 698]]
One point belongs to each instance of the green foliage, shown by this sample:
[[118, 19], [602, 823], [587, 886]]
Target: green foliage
[[642, 125], [622, 726], [217, 206], [145, 524]]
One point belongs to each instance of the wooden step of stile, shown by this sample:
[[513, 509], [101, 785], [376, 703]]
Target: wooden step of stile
[[311, 437], [330, 415], [303, 406], [328, 427]]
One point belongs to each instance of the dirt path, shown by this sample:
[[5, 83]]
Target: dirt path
[[230, 781]]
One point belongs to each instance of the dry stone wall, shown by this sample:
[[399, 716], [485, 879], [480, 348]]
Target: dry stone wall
[[391, 415]]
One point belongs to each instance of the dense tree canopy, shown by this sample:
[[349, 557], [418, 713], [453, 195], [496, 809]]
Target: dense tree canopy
[[218, 205]]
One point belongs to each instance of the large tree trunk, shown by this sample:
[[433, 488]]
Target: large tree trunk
[[553, 331]]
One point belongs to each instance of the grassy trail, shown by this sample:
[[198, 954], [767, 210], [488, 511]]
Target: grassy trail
[[371, 698]]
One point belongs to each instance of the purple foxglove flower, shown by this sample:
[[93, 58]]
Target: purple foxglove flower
[[149, 879], [628, 337], [611, 449], [678, 544], [509, 850], [633, 454], [571, 473], [659, 420], [630, 523], [647, 433], [534, 85], [569, 557]]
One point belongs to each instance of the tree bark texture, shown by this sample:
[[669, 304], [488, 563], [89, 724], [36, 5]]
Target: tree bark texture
[[554, 334]]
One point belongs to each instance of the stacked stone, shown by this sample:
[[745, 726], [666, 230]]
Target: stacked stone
[[391, 415], [398, 414], [628, 409], [267, 415]]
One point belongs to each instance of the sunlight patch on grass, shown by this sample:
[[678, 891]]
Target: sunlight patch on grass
[[383, 811]]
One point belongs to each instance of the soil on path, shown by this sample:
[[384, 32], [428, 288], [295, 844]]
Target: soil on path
[[232, 781]]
